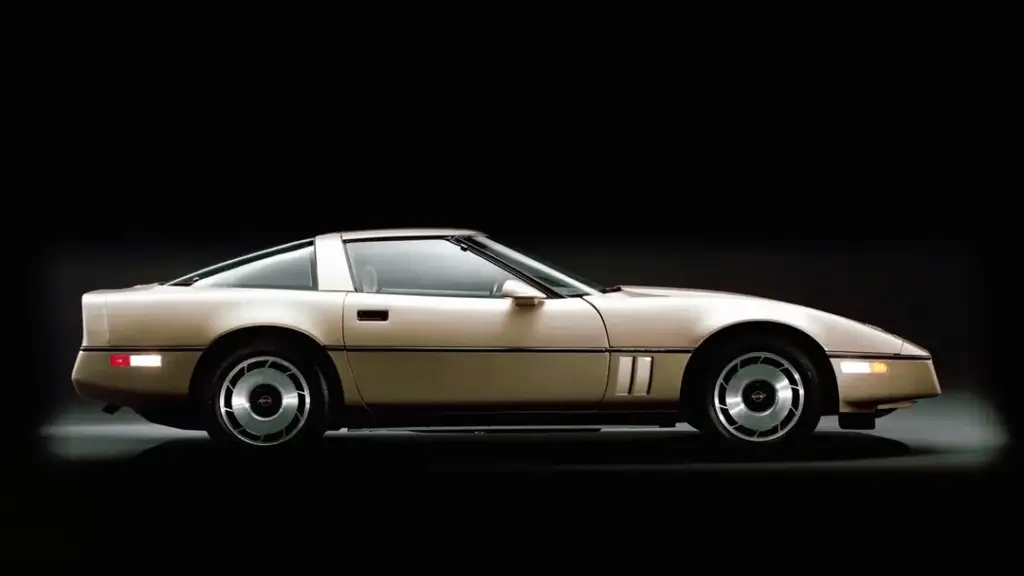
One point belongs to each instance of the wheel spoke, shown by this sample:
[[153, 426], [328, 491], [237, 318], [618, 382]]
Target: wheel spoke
[[264, 401], [760, 396]]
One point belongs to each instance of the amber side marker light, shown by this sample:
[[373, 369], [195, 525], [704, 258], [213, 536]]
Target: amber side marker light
[[135, 360], [858, 367]]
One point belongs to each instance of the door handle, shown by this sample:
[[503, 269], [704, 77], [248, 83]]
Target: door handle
[[372, 315]]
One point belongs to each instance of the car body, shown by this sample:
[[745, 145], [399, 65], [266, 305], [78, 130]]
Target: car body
[[446, 327]]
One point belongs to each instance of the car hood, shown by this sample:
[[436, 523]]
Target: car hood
[[705, 311]]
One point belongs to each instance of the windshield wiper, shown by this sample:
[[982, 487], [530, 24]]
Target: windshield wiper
[[611, 289]]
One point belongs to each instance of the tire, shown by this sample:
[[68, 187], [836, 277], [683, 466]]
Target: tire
[[265, 396], [773, 390]]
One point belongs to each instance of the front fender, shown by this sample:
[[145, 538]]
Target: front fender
[[684, 321], [836, 334]]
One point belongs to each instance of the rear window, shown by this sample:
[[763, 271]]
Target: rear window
[[289, 270]]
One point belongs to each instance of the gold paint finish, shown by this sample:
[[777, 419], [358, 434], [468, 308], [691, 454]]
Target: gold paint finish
[[348, 380], [560, 371], [332, 271], [911, 349], [191, 316], [94, 320], [457, 378], [93, 371], [906, 380], [649, 318], [472, 322]]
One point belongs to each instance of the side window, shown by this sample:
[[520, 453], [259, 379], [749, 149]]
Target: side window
[[429, 267], [292, 270]]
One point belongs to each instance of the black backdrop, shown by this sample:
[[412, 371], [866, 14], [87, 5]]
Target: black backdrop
[[815, 191], [836, 174]]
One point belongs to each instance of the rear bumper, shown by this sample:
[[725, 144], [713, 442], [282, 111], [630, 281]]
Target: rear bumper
[[95, 378], [905, 381]]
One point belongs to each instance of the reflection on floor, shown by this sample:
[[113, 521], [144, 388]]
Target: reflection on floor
[[956, 430]]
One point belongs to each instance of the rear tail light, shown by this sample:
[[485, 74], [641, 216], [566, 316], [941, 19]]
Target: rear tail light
[[135, 360]]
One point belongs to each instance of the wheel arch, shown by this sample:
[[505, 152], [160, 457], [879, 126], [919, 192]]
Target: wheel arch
[[300, 340], [704, 352]]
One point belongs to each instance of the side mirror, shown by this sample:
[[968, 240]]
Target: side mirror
[[521, 293]]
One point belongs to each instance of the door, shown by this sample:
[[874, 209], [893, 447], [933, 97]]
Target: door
[[428, 326]]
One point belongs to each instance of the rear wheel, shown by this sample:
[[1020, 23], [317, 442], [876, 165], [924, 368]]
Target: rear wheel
[[758, 393], [265, 396]]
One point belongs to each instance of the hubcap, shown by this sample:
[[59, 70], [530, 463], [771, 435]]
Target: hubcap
[[759, 397], [264, 401]]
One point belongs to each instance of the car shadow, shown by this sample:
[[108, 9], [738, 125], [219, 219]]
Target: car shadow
[[530, 451]]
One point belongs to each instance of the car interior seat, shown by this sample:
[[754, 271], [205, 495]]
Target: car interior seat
[[368, 279]]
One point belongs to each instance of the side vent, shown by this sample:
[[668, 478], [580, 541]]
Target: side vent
[[633, 376], [625, 379]]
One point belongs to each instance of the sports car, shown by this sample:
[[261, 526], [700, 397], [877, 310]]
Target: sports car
[[426, 328]]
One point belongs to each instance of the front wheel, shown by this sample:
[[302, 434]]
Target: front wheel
[[265, 396], [758, 394]]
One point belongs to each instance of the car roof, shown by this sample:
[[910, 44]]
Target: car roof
[[407, 233]]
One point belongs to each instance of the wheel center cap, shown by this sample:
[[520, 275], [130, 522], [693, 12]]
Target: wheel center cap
[[756, 397], [759, 396], [265, 400]]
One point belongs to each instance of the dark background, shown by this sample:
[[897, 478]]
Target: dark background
[[849, 204], [842, 181], [828, 160]]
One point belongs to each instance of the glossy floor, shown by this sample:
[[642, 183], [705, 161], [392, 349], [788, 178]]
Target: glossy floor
[[955, 431]]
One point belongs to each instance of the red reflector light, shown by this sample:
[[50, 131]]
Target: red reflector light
[[119, 360]]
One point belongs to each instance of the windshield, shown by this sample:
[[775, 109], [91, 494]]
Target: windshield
[[564, 283]]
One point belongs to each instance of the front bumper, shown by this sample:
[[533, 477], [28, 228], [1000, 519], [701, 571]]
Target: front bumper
[[904, 381], [96, 378]]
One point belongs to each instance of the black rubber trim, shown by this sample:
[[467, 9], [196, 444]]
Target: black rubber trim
[[465, 349], [512, 350], [863, 356], [482, 415], [651, 350], [372, 315], [357, 284], [314, 274], [143, 348]]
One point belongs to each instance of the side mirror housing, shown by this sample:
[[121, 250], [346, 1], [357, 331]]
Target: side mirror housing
[[521, 293]]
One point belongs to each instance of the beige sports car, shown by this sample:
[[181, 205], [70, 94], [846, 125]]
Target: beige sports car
[[442, 328]]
